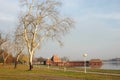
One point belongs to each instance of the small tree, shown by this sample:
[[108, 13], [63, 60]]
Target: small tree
[[5, 46], [42, 21], [3, 39], [24, 58], [65, 59], [18, 44], [6, 50]]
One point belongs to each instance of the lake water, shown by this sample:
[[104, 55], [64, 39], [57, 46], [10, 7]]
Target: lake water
[[114, 65]]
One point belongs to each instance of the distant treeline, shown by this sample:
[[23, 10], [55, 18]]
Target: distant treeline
[[114, 59]]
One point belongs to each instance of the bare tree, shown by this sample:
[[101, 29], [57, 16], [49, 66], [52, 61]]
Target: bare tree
[[65, 59], [18, 45], [5, 57], [6, 50], [3, 48], [2, 39], [41, 20]]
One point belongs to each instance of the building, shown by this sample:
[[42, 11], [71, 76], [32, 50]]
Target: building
[[77, 63], [56, 61], [55, 58], [95, 63]]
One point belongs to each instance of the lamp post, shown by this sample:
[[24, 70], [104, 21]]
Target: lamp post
[[64, 66], [85, 55], [48, 63]]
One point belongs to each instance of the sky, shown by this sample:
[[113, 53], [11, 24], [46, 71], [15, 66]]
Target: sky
[[96, 32]]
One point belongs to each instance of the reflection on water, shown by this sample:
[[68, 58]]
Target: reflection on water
[[112, 65], [115, 65]]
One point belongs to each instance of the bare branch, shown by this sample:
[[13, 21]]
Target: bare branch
[[42, 21]]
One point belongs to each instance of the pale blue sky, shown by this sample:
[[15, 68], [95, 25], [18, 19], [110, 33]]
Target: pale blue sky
[[96, 32]]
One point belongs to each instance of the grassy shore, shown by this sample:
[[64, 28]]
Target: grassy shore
[[97, 70], [42, 73]]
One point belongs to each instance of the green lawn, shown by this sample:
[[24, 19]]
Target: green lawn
[[42, 73], [97, 70]]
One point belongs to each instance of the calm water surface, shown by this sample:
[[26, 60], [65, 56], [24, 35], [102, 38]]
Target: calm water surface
[[114, 65]]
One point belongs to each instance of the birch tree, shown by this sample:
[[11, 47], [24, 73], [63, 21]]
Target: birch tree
[[41, 20]]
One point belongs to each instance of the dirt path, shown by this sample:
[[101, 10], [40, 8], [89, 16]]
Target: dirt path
[[58, 77]]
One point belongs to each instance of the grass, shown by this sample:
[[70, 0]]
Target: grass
[[42, 73], [88, 69], [97, 70]]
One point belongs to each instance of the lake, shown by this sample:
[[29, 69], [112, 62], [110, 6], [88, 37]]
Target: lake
[[113, 65]]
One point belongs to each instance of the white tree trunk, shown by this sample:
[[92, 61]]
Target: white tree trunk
[[30, 61]]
